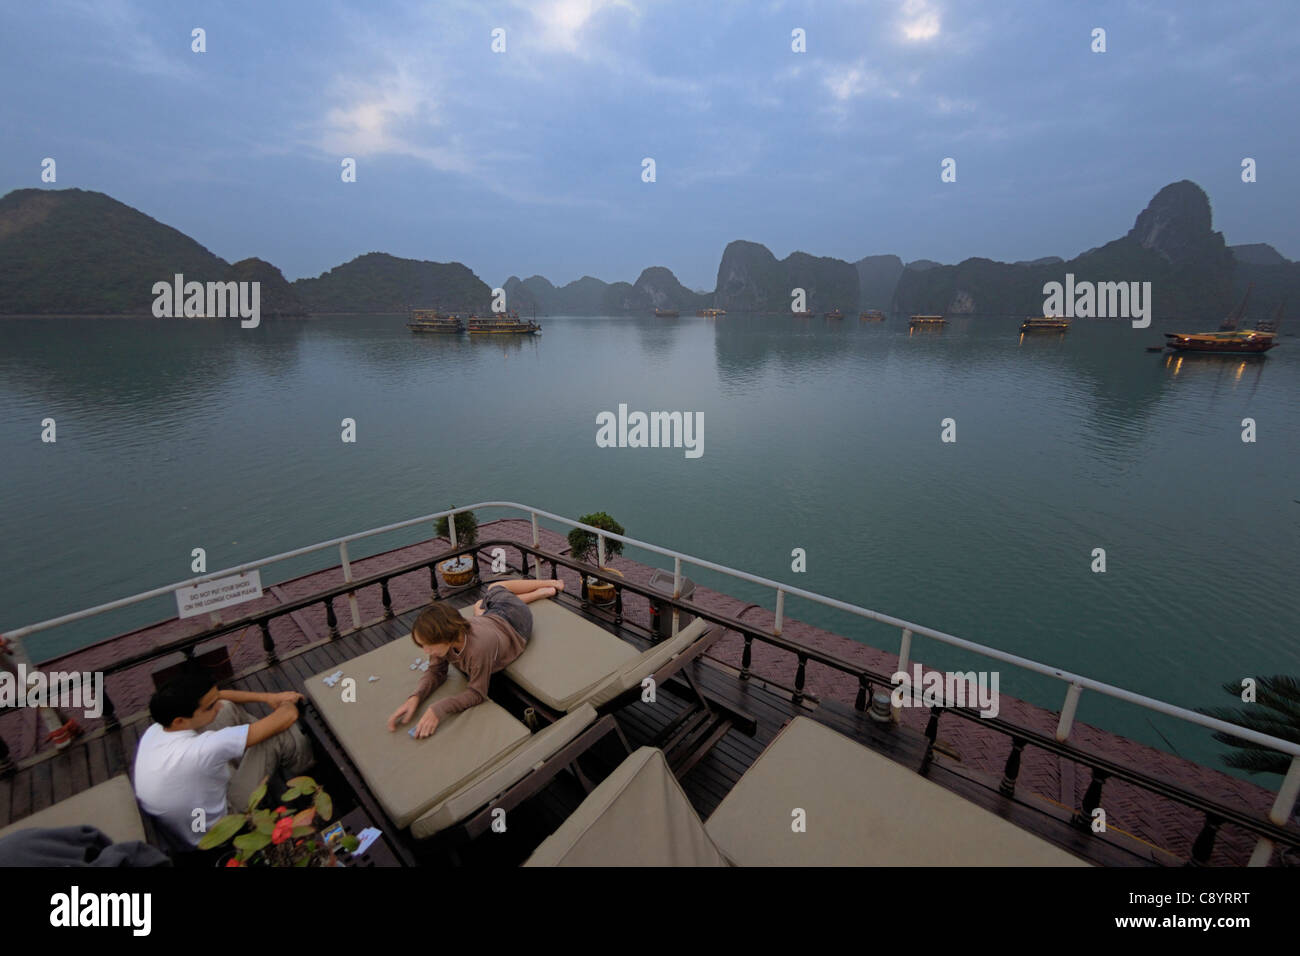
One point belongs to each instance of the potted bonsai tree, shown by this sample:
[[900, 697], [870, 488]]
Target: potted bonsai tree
[[283, 836], [584, 547], [459, 571]]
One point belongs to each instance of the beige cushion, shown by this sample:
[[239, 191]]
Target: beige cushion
[[638, 816], [408, 776], [862, 810], [566, 656], [507, 771], [643, 665], [109, 806]]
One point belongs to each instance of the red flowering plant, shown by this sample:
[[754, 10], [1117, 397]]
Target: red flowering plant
[[279, 837]]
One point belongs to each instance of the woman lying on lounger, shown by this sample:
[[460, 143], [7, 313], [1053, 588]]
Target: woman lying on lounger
[[479, 648]]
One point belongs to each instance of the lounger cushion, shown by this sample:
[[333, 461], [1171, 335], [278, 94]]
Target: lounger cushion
[[638, 816], [507, 771], [408, 776], [109, 807], [566, 656], [862, 809], [634, 671]]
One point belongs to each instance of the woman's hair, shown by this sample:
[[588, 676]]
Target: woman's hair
[[439, 624]]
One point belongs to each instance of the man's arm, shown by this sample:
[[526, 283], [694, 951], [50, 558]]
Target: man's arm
[[281, 719], [250, 697]]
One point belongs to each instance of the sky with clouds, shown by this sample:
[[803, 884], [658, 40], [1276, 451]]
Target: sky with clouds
[[529, 160]]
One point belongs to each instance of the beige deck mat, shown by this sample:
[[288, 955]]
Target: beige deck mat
[[408, 776], [566, 657], [109, 806], [638, 816], [862, 809], [507, 771]]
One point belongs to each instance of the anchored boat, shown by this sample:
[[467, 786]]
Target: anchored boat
[[1047, 323], [1222, 343], [710, 313], [508, 324], [927, 321], [666, 313], [834, 314], [429, 320], [872, 315]]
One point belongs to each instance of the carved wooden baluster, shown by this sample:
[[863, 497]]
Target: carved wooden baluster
[[268, 643], [1204, 844], [746, 657], [864, 693], [1012, 771], [433, 581], [1091, 800], [799, 678], [387, 598]]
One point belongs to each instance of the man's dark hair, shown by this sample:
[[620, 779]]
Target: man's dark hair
[[180, 696]]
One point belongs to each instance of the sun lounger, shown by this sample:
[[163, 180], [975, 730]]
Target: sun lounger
[[638, 816], [110, 807], [858, 809], [482, 756], [861, 809], [569, 661]]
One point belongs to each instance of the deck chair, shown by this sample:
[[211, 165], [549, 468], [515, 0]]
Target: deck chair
[[475, 756], [859, 809], [570, 661], [110, 807]]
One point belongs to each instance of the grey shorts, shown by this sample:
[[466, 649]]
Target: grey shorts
[[505, 604]]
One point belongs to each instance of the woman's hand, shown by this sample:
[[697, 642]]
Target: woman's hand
[[404, 713], [428, 724]]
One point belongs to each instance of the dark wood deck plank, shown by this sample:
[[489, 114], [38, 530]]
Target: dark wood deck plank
[[61, 769], [6, 797], [79, 767], [97, 760], [42, 786], [20, 797]]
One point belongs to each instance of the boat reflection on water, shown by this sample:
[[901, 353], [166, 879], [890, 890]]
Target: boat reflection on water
[[1202, 364]]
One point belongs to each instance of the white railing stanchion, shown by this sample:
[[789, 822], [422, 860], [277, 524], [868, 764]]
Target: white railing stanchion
[[904, 656], [1280, 813], [1071, 704], [347, 576], [537, 562], [779, 623], [677, 591]]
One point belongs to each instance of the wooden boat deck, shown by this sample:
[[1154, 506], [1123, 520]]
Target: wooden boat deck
[[106, 753]]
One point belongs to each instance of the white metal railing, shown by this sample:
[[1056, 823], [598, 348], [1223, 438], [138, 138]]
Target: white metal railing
[[1282, 807]]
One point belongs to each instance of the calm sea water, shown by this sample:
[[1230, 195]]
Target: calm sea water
[[818, 435]]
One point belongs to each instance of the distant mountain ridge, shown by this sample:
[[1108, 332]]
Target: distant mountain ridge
[[81, 252]]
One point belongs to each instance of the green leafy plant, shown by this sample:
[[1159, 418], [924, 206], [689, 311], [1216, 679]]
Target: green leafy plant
[[466, 528], [1276, 712], [279, 837], [582, 544]]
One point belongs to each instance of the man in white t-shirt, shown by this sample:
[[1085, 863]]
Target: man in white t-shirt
[[205, 752]]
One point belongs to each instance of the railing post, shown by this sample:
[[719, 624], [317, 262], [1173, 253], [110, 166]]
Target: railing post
[[1204, 844], [677, 594], [1071, 704], [904, 654], [931, 735], [1091, 800], [1008, 786], [779, 623], [746, 657], [1280, 814], [537, 562], [268, 643], [386, 598], [6, 762], [864, 691], [347, 577], [451, 529], [799, 678], [600, 551], [433, 580], [618, 605], [331, 620]]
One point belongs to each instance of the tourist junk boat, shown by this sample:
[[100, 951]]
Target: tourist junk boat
[[834, 314], [710, 313], [666, 313], [1047, 323], [872, 315], [1230, 340], [927, 321], [429, 320], [592, 769], [506, 324]]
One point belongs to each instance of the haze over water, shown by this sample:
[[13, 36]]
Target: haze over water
[[817, 434]]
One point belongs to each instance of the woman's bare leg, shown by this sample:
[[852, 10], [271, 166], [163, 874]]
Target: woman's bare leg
[[524, 586], [537, 595]]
